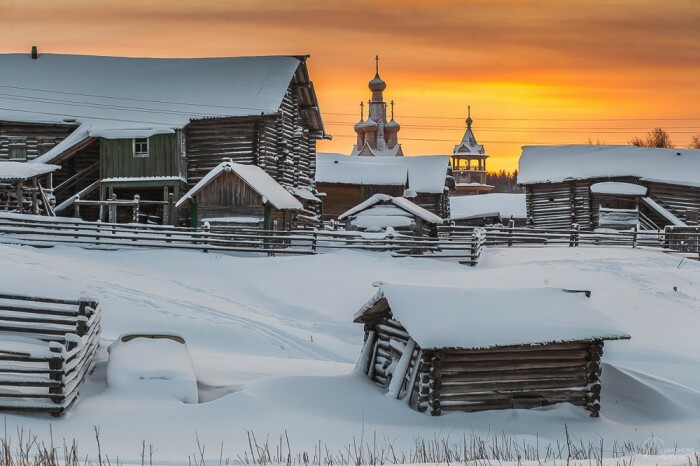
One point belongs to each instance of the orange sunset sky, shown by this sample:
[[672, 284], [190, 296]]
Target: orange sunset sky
[[533, 71]]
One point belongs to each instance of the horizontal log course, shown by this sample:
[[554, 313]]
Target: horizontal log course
[[517, 348], [518, 385], [393, 331], [505, 365], [523, 403], [534, 355], [547, 396], [511, 375]]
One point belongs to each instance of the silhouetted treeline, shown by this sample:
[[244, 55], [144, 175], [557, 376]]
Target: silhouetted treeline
[[503, 181]]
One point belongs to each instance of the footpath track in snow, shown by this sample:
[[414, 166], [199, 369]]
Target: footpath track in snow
[[272, 342]]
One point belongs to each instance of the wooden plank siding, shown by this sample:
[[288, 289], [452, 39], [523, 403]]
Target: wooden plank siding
[[342, 197], [228, 195], [117, 158], [35, 139]]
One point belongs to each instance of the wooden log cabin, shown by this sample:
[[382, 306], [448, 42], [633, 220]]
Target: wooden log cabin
[[443, 349], [27, 188], [155, 127], [238, 194], [610, 187], [348, 181], [381, 212]]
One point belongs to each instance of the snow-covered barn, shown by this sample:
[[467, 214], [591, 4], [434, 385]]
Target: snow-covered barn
[[350, 180], [156, 126], [381, 212], [443, 348], [610, 187], [234, 193]]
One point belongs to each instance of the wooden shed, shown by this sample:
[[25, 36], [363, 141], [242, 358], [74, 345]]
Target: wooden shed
[[380, 212], [27, 188], [348, 180], [610, 187], [236, 193], [446, 348]]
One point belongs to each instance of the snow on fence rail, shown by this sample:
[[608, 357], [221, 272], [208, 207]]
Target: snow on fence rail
[[672, 238], [43, 231], [47, 346]]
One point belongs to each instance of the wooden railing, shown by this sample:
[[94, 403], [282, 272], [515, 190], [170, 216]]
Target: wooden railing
[[47, 346]]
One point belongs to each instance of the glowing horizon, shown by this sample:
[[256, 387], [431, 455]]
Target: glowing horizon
[[536, 72]]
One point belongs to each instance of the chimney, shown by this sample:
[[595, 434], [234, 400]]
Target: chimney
[[35, 52]]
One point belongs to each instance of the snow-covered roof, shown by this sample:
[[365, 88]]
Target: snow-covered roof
[[256, 178], [304, 193], [506, 205], [400, 202], [140, 95], [553, 164], [622, 189], [23, 171], [459, 317], [425, 173]]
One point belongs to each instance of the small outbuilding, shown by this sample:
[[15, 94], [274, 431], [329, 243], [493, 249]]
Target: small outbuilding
[[447, 348], [488, 209], [381, 211], [236, 193], [27, 188]]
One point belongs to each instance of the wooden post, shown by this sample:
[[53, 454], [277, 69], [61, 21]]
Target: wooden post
[[81, 323], [314, 240], [35, 204], [112, 207], [171, 209], [20, 197], [668, 231], [56, 366], [137, 208], [634, 237], [511, 227], [102, 198], [206, 234]]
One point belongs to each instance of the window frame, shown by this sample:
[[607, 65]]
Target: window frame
[[135, 142]]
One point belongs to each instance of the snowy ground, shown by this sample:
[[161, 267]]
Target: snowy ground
[[273, 346]]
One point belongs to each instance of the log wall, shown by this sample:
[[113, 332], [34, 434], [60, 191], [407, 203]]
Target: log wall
[[510, 377], [33, 140], [506, 377]]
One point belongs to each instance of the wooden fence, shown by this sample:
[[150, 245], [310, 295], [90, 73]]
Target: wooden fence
[[47, 346], [672, 239], [463, 244], [43, 231]]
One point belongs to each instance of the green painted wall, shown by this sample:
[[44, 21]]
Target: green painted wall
[[117, 158]]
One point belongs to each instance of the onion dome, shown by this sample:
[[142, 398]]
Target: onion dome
[[377, 84], [368, 124], [392, 126]]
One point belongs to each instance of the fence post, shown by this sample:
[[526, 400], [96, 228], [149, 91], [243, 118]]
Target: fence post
[[314, 240], [668, 231], [56, 375], [113, 209], [171, 209], [206, 228], [573, 239], [137, 208], [634, 237], [511, 227]]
